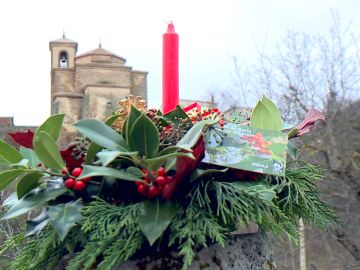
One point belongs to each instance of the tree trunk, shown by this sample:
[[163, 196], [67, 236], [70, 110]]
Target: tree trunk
[[241, 252]]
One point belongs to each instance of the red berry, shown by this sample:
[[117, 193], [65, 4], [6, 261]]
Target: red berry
[[161, 171], [76, 172], [160, 180], [141, 189], [154, 191], [138, 183], [147, 179], [69, 183], [79, 186]]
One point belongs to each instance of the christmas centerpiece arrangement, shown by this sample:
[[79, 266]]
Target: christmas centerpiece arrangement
[[145, 183]]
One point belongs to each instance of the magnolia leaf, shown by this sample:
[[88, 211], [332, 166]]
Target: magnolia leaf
[[47, 151], [90, 171], [200, 173], [9, 153], [193, 135], [28, 182], [144, 137], [274, 112], [7, 177], [94, 148], [261, 117], [292, 150], [101, 134], [64, 216], [130, 121], [155, 218], [106, 157], [52, 126], [156, 163], [31, 156], [135, 171], [34, 226], [34, 199]]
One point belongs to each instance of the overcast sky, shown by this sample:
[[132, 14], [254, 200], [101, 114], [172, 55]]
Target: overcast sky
[[211, 33]]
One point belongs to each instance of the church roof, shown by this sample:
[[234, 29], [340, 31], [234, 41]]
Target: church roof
[[63, 40], [100, 51]]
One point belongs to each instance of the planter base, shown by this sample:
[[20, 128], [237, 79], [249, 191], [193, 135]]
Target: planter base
[[242, 252]]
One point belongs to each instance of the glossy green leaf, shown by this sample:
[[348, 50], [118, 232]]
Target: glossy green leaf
[[292, 150], [135, 171], [155, 218], [31, 156], [156, 163], [292, 133], [194, 134], [47, 151], [172, 149], [52, 126], [22, 164], [176, 114], [34, 226], [27, 183], [101, 134], [274, 112], [9, 153], [144, 137], [64, 216], [261, 117], [106, 157], [200, 173], [94, 148], [32, 200], [90, 171], [7, 177], [130, 121]]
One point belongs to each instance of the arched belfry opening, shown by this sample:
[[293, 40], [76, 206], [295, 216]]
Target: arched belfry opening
[[63, 60]]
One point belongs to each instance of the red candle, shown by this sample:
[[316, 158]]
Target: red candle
[[170, 97]]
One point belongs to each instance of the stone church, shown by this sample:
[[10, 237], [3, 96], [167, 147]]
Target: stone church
[[90, 85]]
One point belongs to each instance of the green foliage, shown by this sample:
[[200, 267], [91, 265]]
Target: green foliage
[[28, 182], [299, 196], [7, 177], [101, 134], [47, 151], [192, 228], [266, 115], [155, 217], [9, 153], [90, 171], [94, 148], [113, 234], [45, 251], [30, 155], [65, 216], [52, 126]]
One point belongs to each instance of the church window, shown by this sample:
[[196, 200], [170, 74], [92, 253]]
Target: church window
[[63, 61]]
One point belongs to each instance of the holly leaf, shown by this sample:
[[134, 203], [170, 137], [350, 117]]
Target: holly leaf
[[91, 171], [130, 121], [47, 151], [23, 138], [94, 148], [101, 134], [32, 200], [177, 113], [7, 177], [193, 135], [155, 163], [35, 225], [106, 157], [9, 153], [144, 137], [52, 126], [155, 218], [64, 216], [30, 155], [27, 183]]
